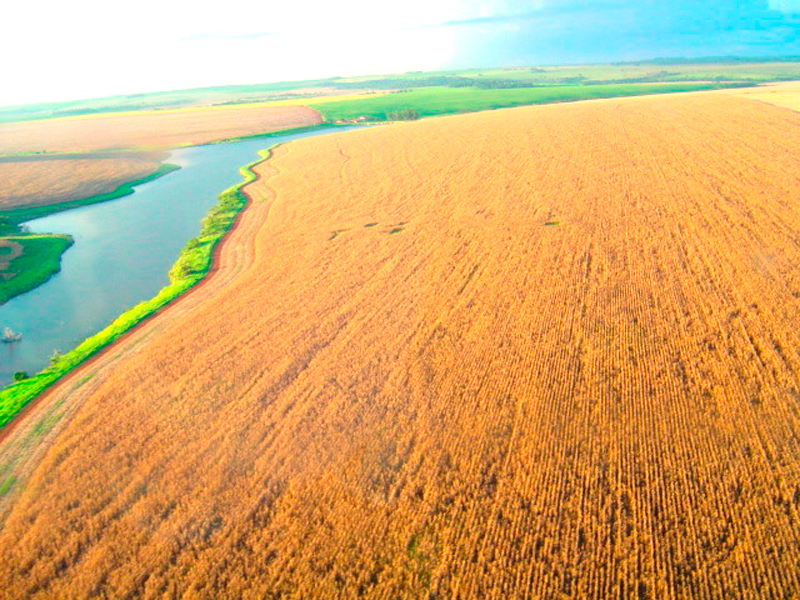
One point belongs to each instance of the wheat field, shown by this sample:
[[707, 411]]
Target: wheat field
[[546, 352], [785, 94], [27, 182], [150, 129]]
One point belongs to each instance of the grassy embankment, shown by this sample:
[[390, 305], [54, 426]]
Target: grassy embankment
[[43, 252], [40, 260], [432, 101], [191, 266]]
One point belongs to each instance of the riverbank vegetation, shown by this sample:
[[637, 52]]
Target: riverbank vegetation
[[36, 258], [193, 263]]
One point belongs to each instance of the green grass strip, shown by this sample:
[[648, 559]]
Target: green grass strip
[[40, 260], [428, 102], [14, 217], [6, 485], [192, 265]]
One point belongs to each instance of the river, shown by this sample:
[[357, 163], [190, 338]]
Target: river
[[122, 254]]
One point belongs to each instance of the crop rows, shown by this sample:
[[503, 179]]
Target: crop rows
[[154, 129], [549, 352]]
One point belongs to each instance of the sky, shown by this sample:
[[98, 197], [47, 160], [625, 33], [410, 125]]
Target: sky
[[72, 49]]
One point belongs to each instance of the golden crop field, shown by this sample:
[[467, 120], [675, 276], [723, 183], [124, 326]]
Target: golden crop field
[[26, 182], [546, 352], [150, 129], [785, 94]]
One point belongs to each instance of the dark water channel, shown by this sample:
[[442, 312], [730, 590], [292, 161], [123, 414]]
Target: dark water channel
[[122, 253]]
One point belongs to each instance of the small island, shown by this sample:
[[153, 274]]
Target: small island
[[27, 261]]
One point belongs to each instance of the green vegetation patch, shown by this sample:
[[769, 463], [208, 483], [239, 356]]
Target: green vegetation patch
[[428, 102], [6, 485], [28, 261], [45, 424], [191, 266]]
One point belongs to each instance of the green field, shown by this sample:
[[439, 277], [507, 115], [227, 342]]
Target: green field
[[40, 260], [743, 71], [446, 100]]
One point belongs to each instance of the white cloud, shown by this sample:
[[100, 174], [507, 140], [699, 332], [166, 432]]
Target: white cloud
[[785, 6]]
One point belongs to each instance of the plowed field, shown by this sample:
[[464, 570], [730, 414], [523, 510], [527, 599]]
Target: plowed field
[[150, 129], [540, 352]]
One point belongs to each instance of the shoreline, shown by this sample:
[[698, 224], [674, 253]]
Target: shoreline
[[17, 216], [25, 437], [65, 379], [192, 267]]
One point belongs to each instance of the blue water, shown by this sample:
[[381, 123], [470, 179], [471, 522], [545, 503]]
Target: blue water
[[122, 253]]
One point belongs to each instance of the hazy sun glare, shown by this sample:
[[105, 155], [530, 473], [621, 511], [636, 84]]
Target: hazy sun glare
[[88, 48], [55, 50]]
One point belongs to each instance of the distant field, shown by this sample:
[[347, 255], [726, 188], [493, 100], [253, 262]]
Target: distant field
[[786, 95], [561, 363], [150, 130], [293, 93], [446, 100], [310, 91], [660, 71], [36, 181], [28, 261]]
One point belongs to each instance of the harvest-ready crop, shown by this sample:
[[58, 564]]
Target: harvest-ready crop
[[550, 352]]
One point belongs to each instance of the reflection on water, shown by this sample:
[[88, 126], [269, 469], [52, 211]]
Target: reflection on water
[[122, 253]]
